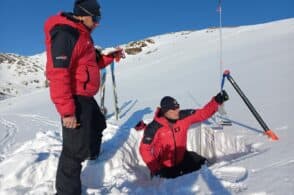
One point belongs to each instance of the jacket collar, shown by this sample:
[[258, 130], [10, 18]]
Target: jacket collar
[[158, 116], [77, 23]]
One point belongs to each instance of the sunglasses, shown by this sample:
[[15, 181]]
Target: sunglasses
[[95, 18]]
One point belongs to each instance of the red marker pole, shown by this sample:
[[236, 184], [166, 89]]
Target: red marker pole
[[266, 129]]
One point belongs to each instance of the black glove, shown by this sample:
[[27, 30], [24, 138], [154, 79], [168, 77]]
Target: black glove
[[221, 97], [141, 125], [98, 54]]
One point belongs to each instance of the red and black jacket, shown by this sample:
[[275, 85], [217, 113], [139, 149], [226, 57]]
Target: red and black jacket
[[164, 143], [71, 68]]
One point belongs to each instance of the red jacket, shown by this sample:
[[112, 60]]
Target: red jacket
[[164, 143], [72, 68]]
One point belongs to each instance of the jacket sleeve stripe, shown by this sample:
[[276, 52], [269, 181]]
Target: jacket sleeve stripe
[[204, 113], [186, 113], [150, 132]]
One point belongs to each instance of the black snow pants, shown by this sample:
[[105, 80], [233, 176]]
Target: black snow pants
[[191, 162], [79, 144]]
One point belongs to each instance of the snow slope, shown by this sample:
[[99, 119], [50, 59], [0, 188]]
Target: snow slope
[[20, 74], [183, 65]]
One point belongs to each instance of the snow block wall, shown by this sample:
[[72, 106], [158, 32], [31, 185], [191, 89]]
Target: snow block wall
[[215, 145]]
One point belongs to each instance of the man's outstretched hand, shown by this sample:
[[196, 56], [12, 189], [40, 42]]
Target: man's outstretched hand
[[117, 53], [221, 97]]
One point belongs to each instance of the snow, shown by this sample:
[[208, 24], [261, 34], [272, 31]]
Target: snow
[[184, 65], [20, 74]]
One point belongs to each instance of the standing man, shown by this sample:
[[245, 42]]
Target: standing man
[[163, 147], [73, 71]]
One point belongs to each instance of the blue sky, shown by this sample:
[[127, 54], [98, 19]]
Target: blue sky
[[21, 24]]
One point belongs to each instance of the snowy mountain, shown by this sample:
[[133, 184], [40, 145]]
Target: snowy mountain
[[21, 74], [184, 65]]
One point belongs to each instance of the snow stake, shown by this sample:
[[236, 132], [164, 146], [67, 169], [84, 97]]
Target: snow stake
[[267, 131]]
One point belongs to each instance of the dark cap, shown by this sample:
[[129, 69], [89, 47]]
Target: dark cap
[[168, 103], [86, 8]]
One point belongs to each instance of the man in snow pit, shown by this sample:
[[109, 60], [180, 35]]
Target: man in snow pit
[[73, 70], [163, 146]]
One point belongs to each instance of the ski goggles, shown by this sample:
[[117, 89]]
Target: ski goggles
[[95, 18], [175, 107]]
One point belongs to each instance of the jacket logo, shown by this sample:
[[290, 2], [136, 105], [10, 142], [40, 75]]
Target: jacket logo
[[148, 138], [63, 57], [177, 129]]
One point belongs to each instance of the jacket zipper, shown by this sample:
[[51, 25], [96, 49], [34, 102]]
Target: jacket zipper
[[175, 145], [88, 79]]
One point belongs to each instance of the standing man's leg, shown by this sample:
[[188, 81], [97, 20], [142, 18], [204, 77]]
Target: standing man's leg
[[68, 180], [98, 124], [93, 123], [79, 144], [68, 176]]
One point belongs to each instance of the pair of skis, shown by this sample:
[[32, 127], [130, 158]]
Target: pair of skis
[[103, 89], [117, 53]]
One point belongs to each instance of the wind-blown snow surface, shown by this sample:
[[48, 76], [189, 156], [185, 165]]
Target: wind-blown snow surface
[[183, 65]]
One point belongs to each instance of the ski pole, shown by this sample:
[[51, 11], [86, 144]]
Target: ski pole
[[266, 129], [223, 82], [116, 109], [102, 92], [219, 9], [221, 109]]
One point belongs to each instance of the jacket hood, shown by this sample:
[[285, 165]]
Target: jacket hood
[[66, 18], [158, 116]]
